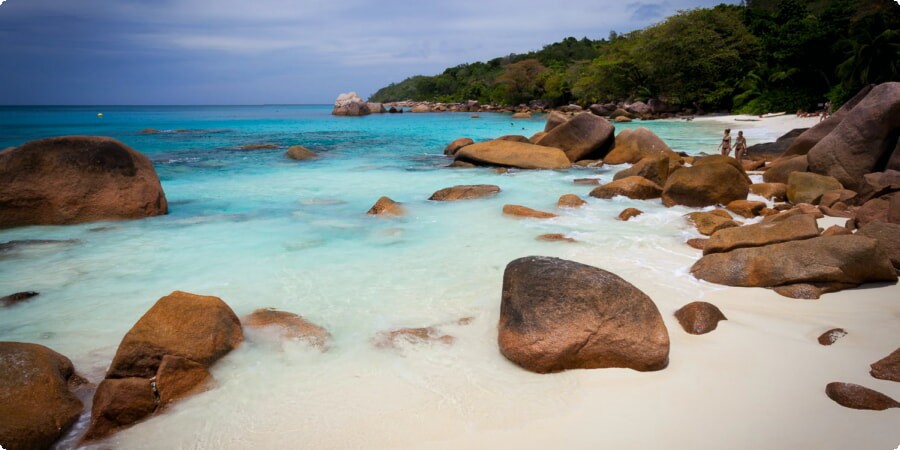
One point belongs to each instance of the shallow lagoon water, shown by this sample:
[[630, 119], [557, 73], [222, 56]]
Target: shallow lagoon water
[[259, 230]]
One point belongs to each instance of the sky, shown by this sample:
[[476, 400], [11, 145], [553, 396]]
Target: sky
[[213, 52]]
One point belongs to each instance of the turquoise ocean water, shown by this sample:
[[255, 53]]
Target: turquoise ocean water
[[260, 230]]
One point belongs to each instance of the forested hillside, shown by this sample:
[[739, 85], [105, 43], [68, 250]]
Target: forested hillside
[[766, 55]]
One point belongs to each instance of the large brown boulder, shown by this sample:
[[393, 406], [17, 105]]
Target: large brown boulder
[[555, 119], [557, 315], [827, 262], [638, 188], [653, 168], [36, 403], [76, 179], [465, 192], [887, 368], [809, 138], [859, 397], [722, 159], [888, 237], [864, 141], [779, 171], [453, 147], [197, 327], [705, 185], [699, 317], [584, 136], [802, 226], [635, 145], [513, 154]]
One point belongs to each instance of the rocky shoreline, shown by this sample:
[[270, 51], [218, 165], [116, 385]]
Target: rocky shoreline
[[555, 314]]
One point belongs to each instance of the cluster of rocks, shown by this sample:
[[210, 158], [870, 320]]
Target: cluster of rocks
[[164, 357], [350, 104]]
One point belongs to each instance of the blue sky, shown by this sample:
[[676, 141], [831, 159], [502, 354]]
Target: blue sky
[[274, 51]]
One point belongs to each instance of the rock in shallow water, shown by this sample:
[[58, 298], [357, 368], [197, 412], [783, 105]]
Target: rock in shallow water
[[557, 315], [289, 325], [465, 192], [706, 185], [513, 154], [77, 179], [36, 403], [386, 207], [634, 187], [570, 201], [16, 298], [524, 211]]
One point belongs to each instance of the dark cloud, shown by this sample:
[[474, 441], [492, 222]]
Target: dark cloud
[[272, 51]]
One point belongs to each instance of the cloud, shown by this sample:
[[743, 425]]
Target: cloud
[[279, 50]]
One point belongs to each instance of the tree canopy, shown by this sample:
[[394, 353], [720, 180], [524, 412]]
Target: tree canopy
[[765, 55]]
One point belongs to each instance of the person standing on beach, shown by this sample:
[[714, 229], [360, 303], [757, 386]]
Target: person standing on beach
[[725, 146], [826, 112], [740, 146]]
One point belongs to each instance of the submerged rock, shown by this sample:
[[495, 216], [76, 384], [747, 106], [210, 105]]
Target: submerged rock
[[859, 397], [386, 207], [555, 237], [300, 153], [558, 315], [76, 179], [524, 211], [17, 298], [699, 317], [393, 338], [36, 401], [628, 213], [465, 192], [289, 326], [570, 201]]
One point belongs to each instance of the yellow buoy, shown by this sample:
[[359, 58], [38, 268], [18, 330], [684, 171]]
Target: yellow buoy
[[99, 114]]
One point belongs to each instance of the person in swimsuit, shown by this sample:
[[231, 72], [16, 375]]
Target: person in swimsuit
[[740, 146], [725, 146]]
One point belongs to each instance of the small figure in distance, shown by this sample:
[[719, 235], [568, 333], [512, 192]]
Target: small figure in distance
[[725, 146], [740, 146], [826, 112]]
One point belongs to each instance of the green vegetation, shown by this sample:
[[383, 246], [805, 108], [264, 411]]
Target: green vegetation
[[766, 55]]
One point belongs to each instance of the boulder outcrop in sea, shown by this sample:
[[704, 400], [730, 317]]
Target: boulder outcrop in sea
[[350, 104], [76, 179]]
